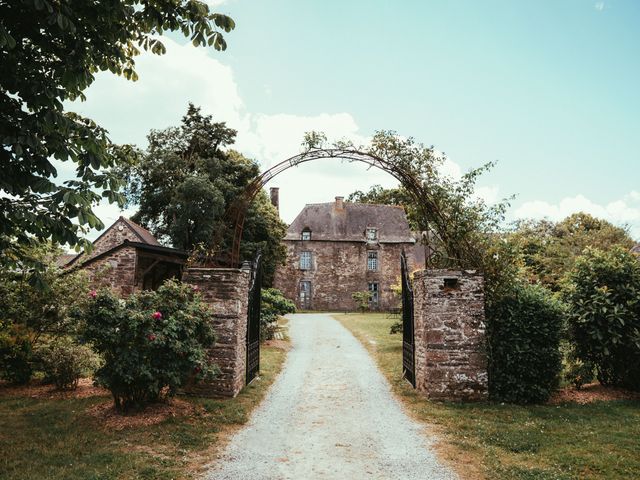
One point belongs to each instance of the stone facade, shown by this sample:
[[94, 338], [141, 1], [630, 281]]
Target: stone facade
[[116, 270], [227, 291], [338, 240], [337, 270], [450, 355]]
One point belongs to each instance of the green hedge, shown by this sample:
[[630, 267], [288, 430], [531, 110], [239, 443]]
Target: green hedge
[[523, 335]]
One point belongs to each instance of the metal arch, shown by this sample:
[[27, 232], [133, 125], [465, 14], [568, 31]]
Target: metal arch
[[236, 213]]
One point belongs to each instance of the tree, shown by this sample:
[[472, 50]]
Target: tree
[[50, 53], [603, 297], [549, 250], [186, 181]]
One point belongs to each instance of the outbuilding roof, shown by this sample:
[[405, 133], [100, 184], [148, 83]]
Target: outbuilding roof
[[346, 221]]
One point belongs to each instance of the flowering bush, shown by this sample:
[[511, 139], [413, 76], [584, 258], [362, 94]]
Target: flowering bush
[[152, 342]]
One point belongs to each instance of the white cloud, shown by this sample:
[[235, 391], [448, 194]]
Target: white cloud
[[599, 6], [159, 99], [623, 211], [488, 193]]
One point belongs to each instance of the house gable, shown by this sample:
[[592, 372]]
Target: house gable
[[120, 231]]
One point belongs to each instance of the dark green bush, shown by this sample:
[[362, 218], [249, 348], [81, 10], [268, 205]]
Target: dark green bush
[[603, 297], [523, 345], [152, 343], [16, 354], [64, 361], [273, 305]]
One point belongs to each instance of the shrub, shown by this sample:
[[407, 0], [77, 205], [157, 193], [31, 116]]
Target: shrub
[[15, 354], [273, 305], [362, 300], [523, 345], [63, 361], [603, 295], [152, 343]]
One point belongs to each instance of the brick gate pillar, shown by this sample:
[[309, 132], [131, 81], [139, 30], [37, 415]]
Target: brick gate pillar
[[227, 291], [450, 356]]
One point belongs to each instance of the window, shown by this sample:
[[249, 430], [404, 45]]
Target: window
[[372, 234], [374, 295], [305, 295], [372, 261], [305, 260], [306, 234]]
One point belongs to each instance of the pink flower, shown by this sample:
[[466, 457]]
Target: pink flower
[[151, 337], [197, 369], [93, 294], [195, 288], [156, 315]]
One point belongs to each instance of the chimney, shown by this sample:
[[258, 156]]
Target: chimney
[[339, 203], [274, 193]]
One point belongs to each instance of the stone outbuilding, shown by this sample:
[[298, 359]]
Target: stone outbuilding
[[337, 248], [128, 258]]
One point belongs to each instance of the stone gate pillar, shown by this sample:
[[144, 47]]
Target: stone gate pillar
[[450, 356], [227, 291]]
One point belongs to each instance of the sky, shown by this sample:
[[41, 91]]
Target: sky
[[548, 89]]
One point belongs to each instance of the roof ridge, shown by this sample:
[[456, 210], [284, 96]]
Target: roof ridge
[[355, 203], [134, 226]]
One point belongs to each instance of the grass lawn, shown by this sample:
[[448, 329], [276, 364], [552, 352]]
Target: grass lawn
[[600, 440], [44, 438]]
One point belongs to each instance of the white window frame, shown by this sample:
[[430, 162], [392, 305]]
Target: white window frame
[[372, 261], [305, 233], [374, 292], [305, 260]]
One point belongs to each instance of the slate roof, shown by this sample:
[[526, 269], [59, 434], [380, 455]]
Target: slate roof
[[65, 258], [329, 223], [140, 232], [144, 234]]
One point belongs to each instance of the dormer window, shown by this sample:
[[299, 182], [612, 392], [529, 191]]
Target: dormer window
[[306, 234], [372, 234]]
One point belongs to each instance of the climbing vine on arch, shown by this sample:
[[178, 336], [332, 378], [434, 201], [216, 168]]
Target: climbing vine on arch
[[453, 221]]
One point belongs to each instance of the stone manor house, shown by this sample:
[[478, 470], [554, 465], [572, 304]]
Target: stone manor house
[[336, 249]]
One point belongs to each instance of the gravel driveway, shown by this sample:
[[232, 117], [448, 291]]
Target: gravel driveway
[[330, 415]]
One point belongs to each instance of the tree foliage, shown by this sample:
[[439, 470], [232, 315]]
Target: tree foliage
[[30, 312], [550, 249], [603, 295], [51, 51], [272, 305], [46, 309], [186, 181]]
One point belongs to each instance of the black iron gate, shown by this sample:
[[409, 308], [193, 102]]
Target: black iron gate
[[253, 320], [408, 344]]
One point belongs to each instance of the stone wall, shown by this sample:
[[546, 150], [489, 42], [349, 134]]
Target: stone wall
[[338, 269], [227, 291], [450, 356], [116, 270]]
